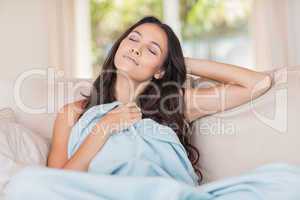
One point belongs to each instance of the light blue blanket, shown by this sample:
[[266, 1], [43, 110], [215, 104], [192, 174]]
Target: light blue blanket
[[143, 162]]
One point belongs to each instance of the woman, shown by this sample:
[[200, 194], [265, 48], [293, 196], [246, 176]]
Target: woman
[[146, 70]]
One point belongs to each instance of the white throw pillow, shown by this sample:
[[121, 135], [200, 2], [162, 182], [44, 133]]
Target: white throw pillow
[[19, 147]]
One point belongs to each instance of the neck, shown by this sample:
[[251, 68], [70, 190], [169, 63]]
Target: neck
[[127, 89]]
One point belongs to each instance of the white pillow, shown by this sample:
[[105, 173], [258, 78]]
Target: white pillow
[[19, 147]]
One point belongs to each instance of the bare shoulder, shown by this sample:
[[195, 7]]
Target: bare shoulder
[[68, 114], [76, 105], [73, 110]]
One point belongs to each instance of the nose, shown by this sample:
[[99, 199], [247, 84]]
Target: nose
[[135, 51]]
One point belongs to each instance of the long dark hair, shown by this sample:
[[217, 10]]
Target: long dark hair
[[103, 90]]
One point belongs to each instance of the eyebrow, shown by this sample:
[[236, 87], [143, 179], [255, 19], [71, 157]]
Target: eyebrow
[[155, 43]]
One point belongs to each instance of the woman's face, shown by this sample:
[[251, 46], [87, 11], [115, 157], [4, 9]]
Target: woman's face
[[142, 53]]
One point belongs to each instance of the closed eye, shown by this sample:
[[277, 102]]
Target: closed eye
[[148, 48], [132, 39], [152, 52]]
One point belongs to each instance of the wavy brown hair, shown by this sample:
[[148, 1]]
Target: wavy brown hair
[[161, 108]]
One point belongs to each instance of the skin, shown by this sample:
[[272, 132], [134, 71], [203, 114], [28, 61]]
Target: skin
[[147, 45], [132, 77], [238, 86]]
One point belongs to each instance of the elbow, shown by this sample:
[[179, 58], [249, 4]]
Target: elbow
[[266, 83], [55, 166], [261, 86]]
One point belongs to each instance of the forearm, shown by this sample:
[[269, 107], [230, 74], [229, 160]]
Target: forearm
[[225, 73], [87, 150]]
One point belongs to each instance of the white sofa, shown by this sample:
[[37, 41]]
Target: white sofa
[[262, 131]]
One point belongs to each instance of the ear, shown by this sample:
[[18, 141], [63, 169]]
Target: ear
[[159, 74]]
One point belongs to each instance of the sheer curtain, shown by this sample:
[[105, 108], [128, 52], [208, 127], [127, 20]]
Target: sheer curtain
[[69, 37], [275, 33]]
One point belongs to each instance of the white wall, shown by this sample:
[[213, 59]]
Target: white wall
[[23, 36], [294, 32]]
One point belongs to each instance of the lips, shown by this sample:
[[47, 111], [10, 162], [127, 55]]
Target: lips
[[132, 59]]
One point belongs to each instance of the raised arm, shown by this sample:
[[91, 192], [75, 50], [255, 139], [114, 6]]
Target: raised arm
[[237, 86]]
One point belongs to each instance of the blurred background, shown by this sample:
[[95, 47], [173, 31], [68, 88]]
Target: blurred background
[[74, 36]]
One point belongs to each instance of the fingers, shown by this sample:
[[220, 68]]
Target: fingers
[[128, 109], [132, 108], [136, 115], [134, 111], [131, 104]]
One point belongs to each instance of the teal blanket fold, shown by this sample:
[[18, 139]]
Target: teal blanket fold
[[145, 161], [147, 148]]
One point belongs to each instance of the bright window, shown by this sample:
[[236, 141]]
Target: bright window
[[210, 29]]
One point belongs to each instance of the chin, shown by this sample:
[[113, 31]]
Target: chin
[[124, 68]]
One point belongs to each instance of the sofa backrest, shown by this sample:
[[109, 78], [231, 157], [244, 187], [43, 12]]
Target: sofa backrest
[[36, 101], [262, 131]]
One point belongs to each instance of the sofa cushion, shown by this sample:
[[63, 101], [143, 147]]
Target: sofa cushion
[[20, 147]]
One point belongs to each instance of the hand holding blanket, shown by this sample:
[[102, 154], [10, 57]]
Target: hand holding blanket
[[144, 149]]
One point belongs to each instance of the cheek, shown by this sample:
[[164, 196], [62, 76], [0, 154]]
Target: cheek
[[118, 57], [151, 62], [149, 67], [120, 51], [122, 48]]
